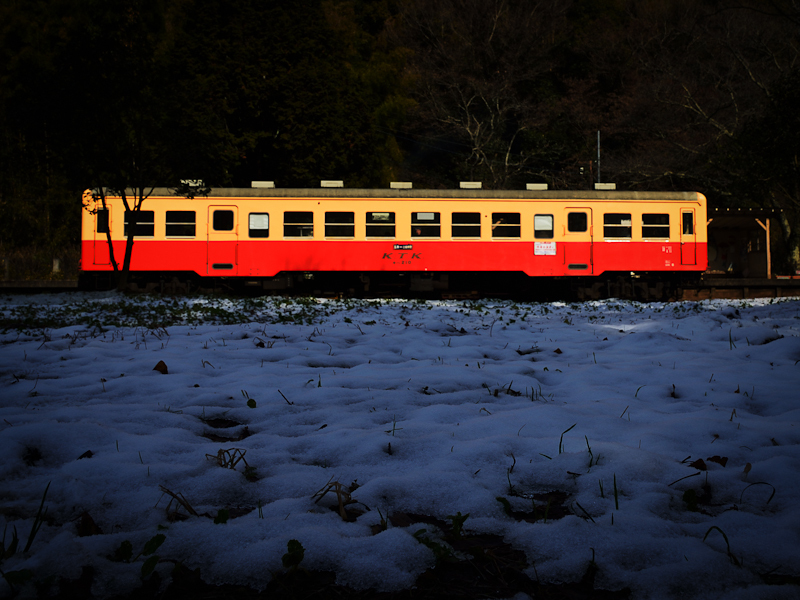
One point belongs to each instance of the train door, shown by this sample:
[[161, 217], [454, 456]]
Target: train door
[[688, 245], [578, 237], [223, 241], [102, 225]]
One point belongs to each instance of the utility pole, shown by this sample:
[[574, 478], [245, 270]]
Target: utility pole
[[598, 156]]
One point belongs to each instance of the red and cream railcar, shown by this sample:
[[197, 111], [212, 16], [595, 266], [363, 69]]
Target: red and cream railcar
[[263, 233]]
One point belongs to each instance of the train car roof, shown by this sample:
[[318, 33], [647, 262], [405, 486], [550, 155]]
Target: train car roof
[[445, 193]]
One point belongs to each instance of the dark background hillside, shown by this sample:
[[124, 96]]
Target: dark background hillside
[[686, 94]]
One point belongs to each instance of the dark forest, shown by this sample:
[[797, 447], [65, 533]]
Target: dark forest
[[685, 94]]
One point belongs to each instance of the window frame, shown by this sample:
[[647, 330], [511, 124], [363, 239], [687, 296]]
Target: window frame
[[103, 220], [687, 225], [251, 229], [373, 225], [344, 225], [304, 228], [429, 228], [464, 225], [570, 224], [625, 225], [223, 228], [655, 231], [176, 225], [544, 232], [506, 230], [148, 225]]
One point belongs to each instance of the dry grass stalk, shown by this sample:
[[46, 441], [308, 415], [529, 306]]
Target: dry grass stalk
[[343, 496], [179, 500], [229, 458]]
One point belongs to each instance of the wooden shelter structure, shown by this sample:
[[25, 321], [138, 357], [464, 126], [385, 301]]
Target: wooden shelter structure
[[739, 243]]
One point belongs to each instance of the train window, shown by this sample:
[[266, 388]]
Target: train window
[[340, 224], [688, 223], [144, 225], [380, 224], [258, 225], [543, 227], [180, 223], [425, 224], [102, 221], [298, 224], [222, 220], [655, 226], [467, 225], [617, 225], [577, 222], [505, 225]]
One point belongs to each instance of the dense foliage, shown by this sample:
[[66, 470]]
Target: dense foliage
[[687, 94]]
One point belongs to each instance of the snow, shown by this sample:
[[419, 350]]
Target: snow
[[475, 400]]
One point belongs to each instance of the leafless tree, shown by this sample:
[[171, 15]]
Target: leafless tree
[[479, 66], [715, 72], [701, 97]]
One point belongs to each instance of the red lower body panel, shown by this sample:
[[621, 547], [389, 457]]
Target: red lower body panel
[[266, 258]]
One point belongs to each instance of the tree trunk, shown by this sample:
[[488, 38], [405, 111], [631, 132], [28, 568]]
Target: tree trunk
[[122, 274]]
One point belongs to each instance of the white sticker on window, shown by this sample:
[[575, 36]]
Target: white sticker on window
[[543, 223], [259, 221]]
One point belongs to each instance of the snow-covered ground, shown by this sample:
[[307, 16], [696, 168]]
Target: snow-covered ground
[[432, 408]]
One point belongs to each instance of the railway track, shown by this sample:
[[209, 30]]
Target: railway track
[[706, 288], [722, 288], [38, 286]]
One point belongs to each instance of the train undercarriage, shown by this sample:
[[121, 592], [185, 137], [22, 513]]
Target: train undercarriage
[[453, 285]]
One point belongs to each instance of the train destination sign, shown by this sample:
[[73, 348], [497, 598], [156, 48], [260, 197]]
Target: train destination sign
[[544, 248]]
